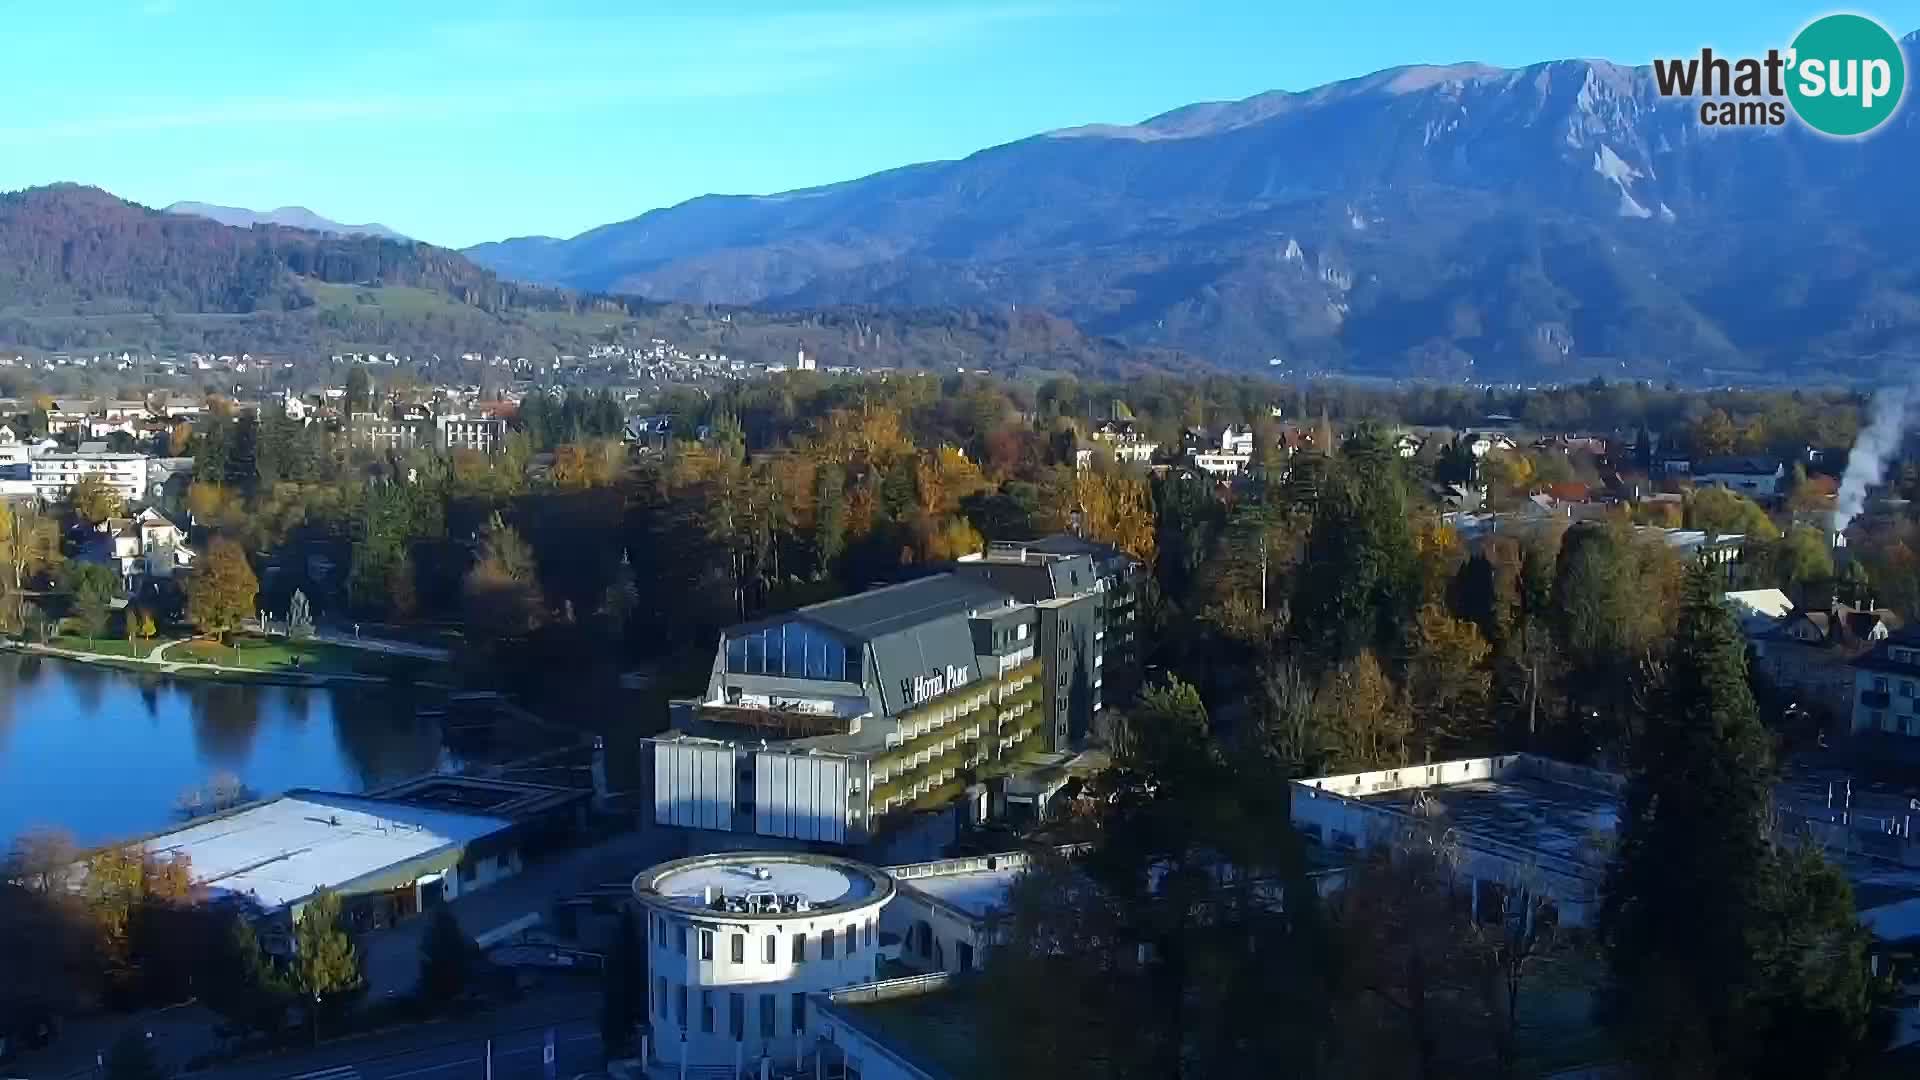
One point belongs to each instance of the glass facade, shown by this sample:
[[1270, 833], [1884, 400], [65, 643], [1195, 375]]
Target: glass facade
[[794, 650]]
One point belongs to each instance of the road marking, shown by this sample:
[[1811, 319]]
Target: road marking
[[338, 1072], [442, 1067]]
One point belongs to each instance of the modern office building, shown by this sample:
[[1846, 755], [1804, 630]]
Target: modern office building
[[817, 722], [1065, 592], [737, 943]]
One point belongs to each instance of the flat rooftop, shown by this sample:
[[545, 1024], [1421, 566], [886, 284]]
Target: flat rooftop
[[1530, 812], [281, 851], [937, 1031], [824, 883], [978, 893]]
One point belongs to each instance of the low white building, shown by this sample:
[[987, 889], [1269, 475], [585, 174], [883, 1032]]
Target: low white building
[[1514, 817], [55, 473], [1759, 477], [736, 944]]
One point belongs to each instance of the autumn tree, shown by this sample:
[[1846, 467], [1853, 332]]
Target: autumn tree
[[326, 966], [502, 591], [1448, 683], [93, 500], [1723, 512], [1363, 716], [221, 594]]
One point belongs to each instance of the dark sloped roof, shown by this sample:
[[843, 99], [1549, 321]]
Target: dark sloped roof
[[894, 608], [1033, 580], [1737, 466], [1878, 658]]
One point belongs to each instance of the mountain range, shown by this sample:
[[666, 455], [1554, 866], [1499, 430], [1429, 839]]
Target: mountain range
[[82, 270], [1551, 222], [293, 217]]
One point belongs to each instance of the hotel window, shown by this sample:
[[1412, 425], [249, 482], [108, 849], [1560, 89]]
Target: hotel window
[[799, 1012], [768, 1019], [799, 948], [739, 948], [869, 933], [773, 949], [660, 995], [680, 938], [680, 1006], [826, 943], [706, 1011], [853, 939], [737, 1015], [706, 944]]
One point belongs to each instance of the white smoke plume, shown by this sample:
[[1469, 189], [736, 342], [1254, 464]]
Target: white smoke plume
[[1893, 409]]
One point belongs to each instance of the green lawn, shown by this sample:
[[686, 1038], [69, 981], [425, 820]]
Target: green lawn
[[277, 655], [105, 646]]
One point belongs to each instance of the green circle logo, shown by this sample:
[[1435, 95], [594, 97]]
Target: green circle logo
[[1846, 75]]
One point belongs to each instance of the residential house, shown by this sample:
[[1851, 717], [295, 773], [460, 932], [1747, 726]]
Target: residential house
[[1125, 441], [1229, 458], [1755, 476], [1886, 686], [1810, 652]]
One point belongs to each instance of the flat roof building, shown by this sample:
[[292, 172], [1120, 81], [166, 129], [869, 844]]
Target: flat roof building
[[1514, 815], [389, 854]]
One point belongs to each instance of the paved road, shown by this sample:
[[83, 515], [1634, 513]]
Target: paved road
[[516, 1054], [452, 1050]]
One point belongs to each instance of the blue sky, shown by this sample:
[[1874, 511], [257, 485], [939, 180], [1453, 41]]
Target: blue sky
[[475, 121]]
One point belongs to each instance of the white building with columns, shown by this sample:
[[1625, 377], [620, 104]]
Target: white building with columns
[[736, 943]]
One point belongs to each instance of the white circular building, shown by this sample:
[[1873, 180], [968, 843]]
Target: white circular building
[[736, 941]]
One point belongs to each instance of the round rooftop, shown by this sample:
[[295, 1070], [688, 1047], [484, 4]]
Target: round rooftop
[[772, 885]]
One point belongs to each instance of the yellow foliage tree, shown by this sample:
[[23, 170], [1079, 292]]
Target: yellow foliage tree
[[1362, 716], [1448, 680], [1115, 507], [874, 433], [943, 478], [93, 500], [222, 592], [579, 466], [1441, 554]]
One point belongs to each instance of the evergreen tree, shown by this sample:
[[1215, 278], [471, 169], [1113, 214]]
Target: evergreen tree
[[1689, 876], [447, 960], [623, 990], [242, 985], [131, 1058], [1365, 579]]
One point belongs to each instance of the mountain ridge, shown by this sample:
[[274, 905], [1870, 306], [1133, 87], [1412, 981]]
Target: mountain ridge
[[1456, 221], [293, 217]]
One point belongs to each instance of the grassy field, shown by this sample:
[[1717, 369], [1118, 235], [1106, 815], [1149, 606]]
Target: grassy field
[[399, 299], [277, 656], [105, 646]]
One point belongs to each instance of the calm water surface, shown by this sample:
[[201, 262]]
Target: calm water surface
[[105, 754]]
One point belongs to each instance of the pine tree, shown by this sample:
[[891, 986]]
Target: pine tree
[[242, 985], [1684, 889], [447, 958], [623, 989], [131, 1058]]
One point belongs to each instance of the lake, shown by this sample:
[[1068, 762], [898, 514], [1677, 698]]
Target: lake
[[106, 754]]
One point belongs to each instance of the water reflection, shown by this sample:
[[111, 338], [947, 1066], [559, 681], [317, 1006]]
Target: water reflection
[[225, 720], [105, 753]]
